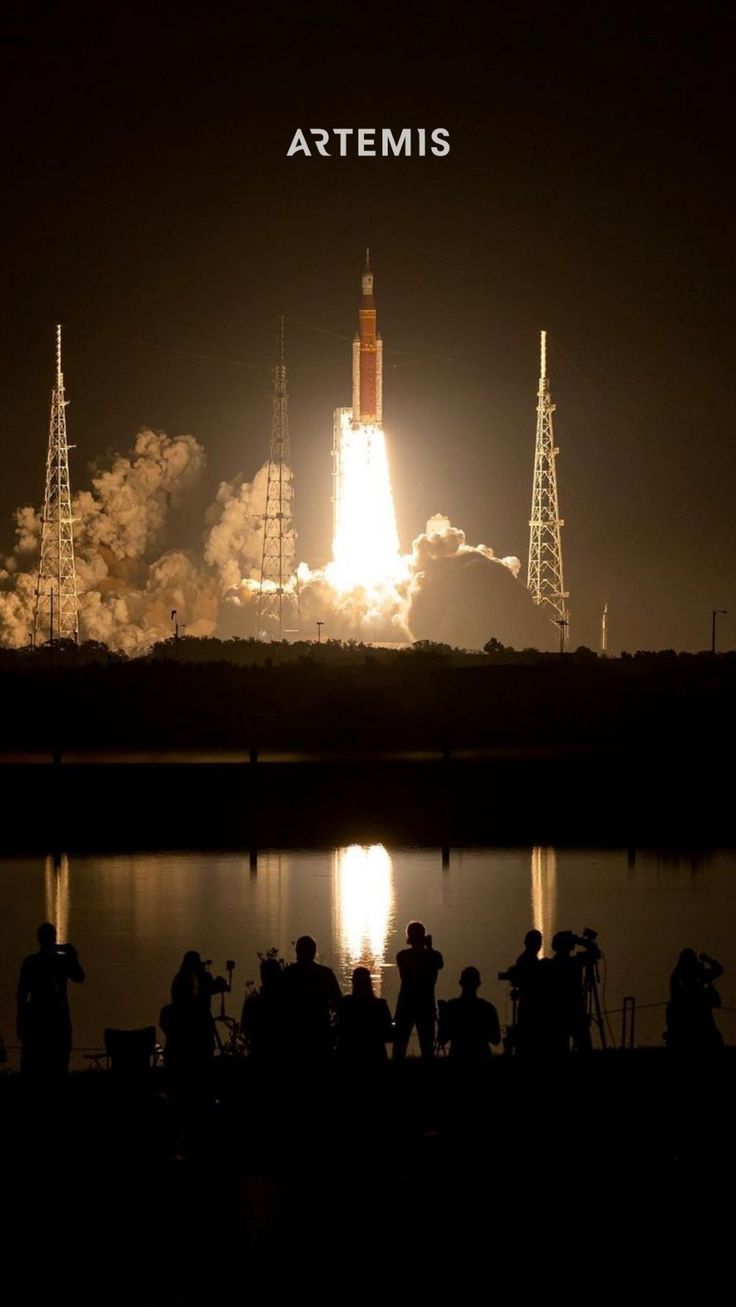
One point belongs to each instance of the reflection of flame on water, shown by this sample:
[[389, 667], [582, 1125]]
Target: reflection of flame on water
[[363, 904], [56, 884], [544, 894]]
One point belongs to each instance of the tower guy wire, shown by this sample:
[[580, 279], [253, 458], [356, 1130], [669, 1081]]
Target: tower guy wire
[[56, 614], [278, 596], [545, 580]]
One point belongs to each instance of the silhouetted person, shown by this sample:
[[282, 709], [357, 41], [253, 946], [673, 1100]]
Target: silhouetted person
[[364, 1024], [691, 1026], [263, 1017], [44, 1021], [468, 1023], [419, 966], [187, 1023], [566, 1019], [527, 977], [312, 996]]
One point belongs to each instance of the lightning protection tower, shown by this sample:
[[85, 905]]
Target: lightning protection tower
[[277, 598], [545, 578], [56, 616]]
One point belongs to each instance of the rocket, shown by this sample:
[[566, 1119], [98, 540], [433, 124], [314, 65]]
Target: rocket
[[367, 358]]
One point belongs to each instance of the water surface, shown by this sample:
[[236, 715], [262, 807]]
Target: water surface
[[132, 917]]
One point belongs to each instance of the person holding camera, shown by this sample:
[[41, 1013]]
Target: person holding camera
[[527, 976], [691, 1026], [419, 966], [187, 1021], [44, 1020], [567, 1018]]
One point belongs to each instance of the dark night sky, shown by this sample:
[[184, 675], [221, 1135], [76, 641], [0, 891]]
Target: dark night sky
[[148, 198]]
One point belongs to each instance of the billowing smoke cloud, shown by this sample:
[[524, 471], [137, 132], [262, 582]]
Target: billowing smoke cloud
[[375, 613], [463, 595], [444, 590], [130, 502], [447, 591], [125, 595], [234, 545]]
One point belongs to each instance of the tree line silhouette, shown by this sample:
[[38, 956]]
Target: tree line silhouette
[[244, 694]]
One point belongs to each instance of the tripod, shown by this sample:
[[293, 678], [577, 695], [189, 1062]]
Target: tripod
[[593, 1011]]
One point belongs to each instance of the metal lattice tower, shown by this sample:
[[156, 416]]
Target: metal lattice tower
[[56, 615], [276, 597], [545, 578], [604, 632]]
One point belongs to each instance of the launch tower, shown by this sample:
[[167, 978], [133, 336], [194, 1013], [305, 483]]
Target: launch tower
[[545, 578], [56, 615], [276, 596]]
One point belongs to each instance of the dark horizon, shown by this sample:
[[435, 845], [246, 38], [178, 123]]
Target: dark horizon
[[153, 211]]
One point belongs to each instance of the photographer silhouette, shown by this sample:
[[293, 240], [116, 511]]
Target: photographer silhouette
[[691, 1026], [44, 1021], [419, 966]]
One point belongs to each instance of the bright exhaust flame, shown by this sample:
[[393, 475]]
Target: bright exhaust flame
[[365, 543]]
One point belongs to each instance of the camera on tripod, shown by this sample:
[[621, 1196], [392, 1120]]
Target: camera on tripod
[[567, 940]]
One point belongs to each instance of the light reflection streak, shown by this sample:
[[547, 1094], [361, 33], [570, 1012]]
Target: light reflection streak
[[269, 896], [363, 907], [544, 894], [56, 885]]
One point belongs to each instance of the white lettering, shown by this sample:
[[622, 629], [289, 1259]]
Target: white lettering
[[366, 137], [440, 146], [342, 133], [389, 143], [297, 144], [321, 144], [372, 141]]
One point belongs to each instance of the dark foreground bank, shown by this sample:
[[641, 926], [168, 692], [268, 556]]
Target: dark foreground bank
[[210, 743], [618, 1168]]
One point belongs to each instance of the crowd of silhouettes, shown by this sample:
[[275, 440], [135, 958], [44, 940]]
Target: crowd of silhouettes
[[300, 1014], [550, 994]]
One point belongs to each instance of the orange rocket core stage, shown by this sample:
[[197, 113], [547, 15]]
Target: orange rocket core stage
[[367, 359]]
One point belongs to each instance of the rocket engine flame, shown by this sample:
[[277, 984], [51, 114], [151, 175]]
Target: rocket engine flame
[[365, 543]]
